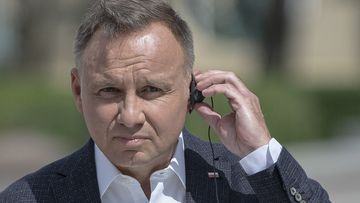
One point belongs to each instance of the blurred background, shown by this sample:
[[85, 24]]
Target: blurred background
[[302, 59]]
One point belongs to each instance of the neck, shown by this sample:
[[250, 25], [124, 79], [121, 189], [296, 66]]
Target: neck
[[142, 173]]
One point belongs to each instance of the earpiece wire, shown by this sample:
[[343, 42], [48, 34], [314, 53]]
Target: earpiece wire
[[213, 156]]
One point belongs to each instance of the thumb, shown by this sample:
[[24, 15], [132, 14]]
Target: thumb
[[210, 116]]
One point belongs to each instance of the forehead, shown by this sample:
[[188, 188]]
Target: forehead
[[154, 47]]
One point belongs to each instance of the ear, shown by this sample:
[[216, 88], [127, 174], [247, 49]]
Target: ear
[[76, 88], [195, 95], [190, 81], [189, 109], [192, 88]]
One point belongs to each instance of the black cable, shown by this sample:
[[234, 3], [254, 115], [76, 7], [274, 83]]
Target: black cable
[[213, 156]]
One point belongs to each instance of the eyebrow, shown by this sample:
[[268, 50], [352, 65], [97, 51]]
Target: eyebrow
[[159, 81], [102, 80], [154, 80]]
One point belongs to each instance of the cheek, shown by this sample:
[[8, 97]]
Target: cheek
[[168, 118], [98, 117]]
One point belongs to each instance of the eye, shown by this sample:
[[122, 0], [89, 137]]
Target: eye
[[109, 92], [150, 89], [109, 89], [151, 92]]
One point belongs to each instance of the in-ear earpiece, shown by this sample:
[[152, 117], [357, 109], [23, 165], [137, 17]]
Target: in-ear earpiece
[[195, 95]]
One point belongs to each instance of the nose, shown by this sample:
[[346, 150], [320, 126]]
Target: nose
[[131, 112]]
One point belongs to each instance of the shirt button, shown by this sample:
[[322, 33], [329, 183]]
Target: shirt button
[[292, 191], [298, 197], [302, 201]]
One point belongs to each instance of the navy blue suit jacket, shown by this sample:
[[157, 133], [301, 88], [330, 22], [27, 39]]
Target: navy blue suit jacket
[[73, 179]]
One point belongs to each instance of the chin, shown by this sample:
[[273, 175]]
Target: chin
[[131, 159]]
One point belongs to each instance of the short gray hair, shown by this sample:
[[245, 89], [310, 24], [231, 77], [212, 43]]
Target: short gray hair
[[121, 17]]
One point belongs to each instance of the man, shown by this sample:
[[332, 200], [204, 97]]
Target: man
[[131, 83]]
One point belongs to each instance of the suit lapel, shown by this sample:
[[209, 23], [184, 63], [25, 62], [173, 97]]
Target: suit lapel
[[198, 162], [77, 180]]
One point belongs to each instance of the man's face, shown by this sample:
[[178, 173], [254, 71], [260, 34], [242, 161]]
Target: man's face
[[133, 93]]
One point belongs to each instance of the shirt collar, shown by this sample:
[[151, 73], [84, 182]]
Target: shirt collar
[[106, 172]]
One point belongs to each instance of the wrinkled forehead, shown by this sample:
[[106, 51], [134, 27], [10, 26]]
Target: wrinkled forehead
[[155, 44]]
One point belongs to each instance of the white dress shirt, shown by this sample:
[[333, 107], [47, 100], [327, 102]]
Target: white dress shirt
[[167, 185]]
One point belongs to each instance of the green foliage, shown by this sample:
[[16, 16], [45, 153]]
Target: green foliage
[[337, 108], [31, 103], [291, 113]]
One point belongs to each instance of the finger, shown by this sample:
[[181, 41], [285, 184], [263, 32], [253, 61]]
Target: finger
[[221, 78], [215, 77], [207, 74], [217, 89], [236, 99], [196, 72], [208, 114]]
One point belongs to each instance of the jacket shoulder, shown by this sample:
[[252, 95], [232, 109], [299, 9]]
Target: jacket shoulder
[[37, 184], [27, 188]]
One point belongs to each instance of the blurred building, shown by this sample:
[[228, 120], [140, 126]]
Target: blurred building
[[313, 42], [37, 35], [320, 46], [8, 33]]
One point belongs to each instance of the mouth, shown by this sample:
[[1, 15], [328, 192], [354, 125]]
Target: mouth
[[131, 142]]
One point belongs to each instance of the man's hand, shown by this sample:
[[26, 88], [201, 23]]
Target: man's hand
[[244, 129]]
